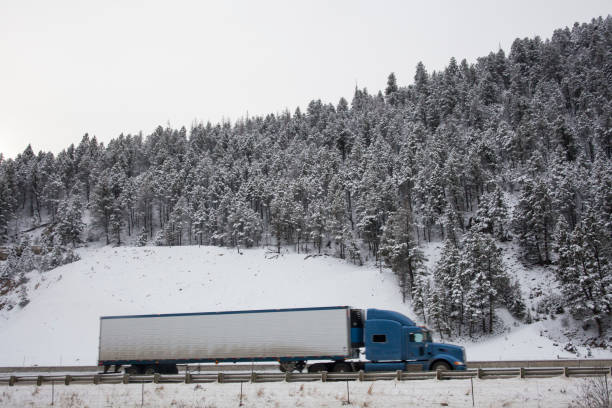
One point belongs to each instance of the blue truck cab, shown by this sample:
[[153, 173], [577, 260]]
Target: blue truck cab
[[394, 342]]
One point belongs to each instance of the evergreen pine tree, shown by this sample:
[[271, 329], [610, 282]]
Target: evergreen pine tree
[[584, 269], [400, 252], [69, 224]]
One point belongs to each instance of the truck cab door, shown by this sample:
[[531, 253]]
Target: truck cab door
[[415, 345], [383, 340]]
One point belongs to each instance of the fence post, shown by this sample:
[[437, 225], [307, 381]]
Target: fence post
[[472, 382], [126, 378], [39, 380], [287, 376], [323, 376], [479, 373], [607, 391], [438, 374], [96, 379], [361, 375], [219, 377], [12, 380], [187, 377], [566, 371], [348, 394], [156, 378], [398, 375], [67, 380], [240, 394], [522, 372]]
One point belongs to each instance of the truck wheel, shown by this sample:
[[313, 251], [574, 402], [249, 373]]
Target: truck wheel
[[440, 366], [342, 368]]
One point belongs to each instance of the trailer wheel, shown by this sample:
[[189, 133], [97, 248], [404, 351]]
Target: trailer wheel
[[342, 367], [440, 366]]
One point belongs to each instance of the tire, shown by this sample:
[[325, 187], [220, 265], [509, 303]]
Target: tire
[[342, 367], [149, 370], [440, 366]]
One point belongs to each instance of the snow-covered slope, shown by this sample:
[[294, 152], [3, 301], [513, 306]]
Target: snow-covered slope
[[60, 324]]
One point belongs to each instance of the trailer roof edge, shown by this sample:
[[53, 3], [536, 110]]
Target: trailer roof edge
[[299, 309]]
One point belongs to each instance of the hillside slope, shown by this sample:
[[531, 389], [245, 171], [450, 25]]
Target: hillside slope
[[60, 324]]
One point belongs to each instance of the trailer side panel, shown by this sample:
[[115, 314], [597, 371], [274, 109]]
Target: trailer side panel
[[234, 335]]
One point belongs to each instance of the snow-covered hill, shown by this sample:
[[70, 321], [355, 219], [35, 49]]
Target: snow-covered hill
[[60, 324]]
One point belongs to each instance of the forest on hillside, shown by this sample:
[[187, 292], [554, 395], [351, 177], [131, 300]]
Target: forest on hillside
[[365, 180]]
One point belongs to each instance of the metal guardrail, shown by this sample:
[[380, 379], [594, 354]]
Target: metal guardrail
[[577, 362], [261, 377], [261, 367]]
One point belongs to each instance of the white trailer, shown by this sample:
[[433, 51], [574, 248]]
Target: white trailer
[[156, 343]]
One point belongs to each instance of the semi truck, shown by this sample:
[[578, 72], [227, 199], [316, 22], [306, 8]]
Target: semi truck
[[333, 339]]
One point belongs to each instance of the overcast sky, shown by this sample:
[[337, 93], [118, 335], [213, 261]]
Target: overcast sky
[[107, 67]]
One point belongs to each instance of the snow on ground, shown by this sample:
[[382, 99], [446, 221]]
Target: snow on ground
[[61, 323], [546, 392]]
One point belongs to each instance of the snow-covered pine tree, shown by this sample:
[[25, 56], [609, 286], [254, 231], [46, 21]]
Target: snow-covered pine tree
[[245, 225], [27, 260], [106, 205], [534, 219], [7, 204], [69, 224], [492, 214], [451, 286], [400, 252], [52, 193], [421, 294], [482, 263], [585, 270], [143, 237], [437, 312]]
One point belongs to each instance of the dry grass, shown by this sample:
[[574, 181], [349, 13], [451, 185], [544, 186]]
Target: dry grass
[[593, 393], [71, 401]]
